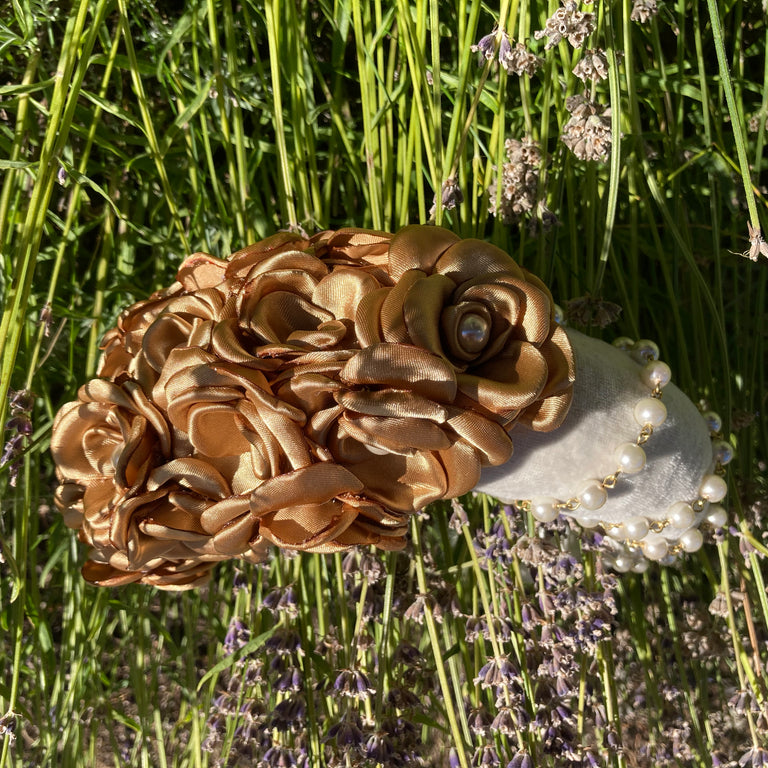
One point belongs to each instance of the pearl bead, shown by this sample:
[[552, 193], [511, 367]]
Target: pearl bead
[[635, 528], [473, 332], [640, 566], [544, 509], [655, 547], [681, 515], [656, 374], [592, 495], [587, 522], [722, 450], [644, 350], [650, 410], [692, 540], [623, 342], [713, 488], [717, 516], [559, 314], [713, 421], [622, 563], [630, 458]]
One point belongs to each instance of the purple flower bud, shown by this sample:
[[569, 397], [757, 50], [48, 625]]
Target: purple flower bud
[[485, 46]]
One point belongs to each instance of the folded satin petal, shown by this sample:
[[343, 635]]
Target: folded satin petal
[[308, 393], [400, 367]]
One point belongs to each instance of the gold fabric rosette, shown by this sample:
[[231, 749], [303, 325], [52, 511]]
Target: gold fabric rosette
[[310, 393]]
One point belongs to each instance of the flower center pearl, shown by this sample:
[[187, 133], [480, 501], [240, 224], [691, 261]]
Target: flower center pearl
[[473, 332]]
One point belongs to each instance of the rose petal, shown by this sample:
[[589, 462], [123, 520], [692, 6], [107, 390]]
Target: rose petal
[[467, 259], [201, 270], [340, 292], [401, 483], [395, 435], [233, 538], [422, 308], [243, 260], [392, 403], [391, 318], [307, 527], [487, 437], [222, 512], [214, 430], [314, 484], [351, 244], [280, 313], [507, 383], [418, 247], [104, 575], [190, 473], [462, 464], [368, 317], [399, 366]]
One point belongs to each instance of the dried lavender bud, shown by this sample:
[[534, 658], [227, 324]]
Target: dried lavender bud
[[519, 181], [354, 684], [486, 757], [521, 760], [347, 734], [518, 60], [278, 757], [282, 600], [380, 748], [479, 721], [588, 133], [20, 400], [593, 65], [458, 516], [504, 722], [289, 714], [371, 567], [643, 10], [591, 311], [46, 318], [237, 636], [290, 680], [284, 640], [567, 23], [719, 606], [485, 46], [534, 551], [8, 725], [499, 671], [402, 698]]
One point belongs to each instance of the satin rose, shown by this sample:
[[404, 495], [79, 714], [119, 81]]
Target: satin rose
[[308, 392]]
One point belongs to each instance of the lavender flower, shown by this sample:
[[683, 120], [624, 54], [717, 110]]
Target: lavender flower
[[643, 10], [588, 133], [486, 757], [380, 748], [486, 46], [347, 734], [282, 600], [353, 683], [8, 727], [20, 426], [237, 636], [518, 60], [519, 181], [593, 65], [521, 760], [567, 23]]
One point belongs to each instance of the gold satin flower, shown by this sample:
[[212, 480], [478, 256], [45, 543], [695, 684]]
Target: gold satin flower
[[309, 393]]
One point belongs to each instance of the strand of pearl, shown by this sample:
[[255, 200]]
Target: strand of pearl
[[638, 539]]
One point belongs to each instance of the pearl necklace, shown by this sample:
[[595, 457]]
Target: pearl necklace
[[637, 540]]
